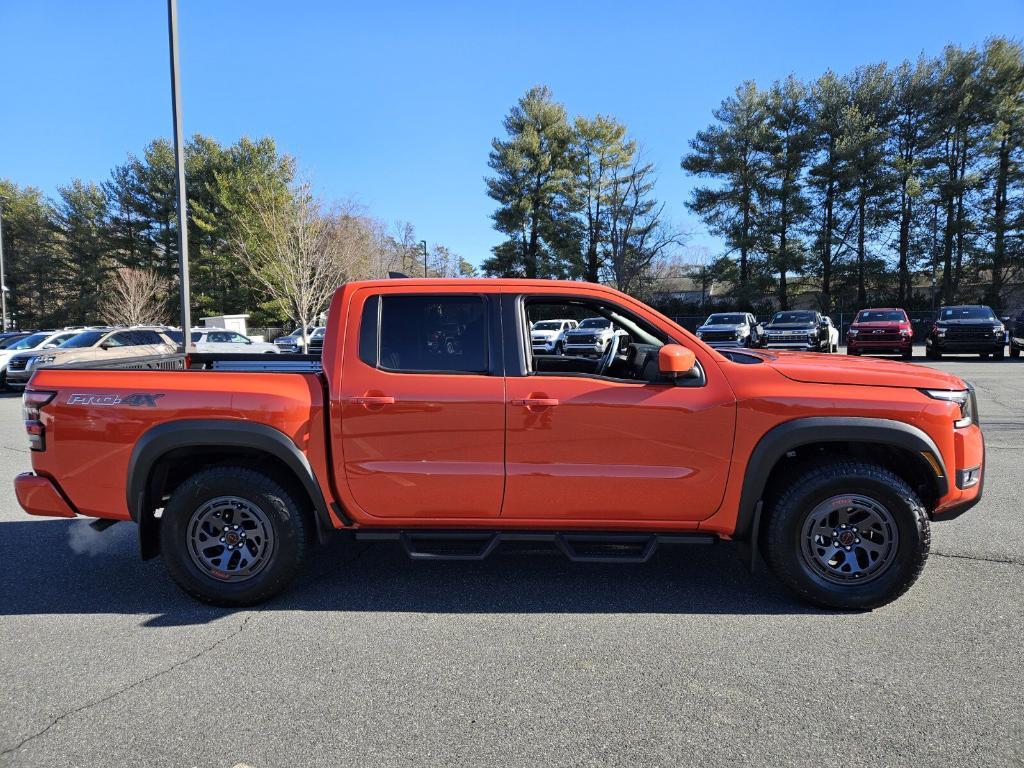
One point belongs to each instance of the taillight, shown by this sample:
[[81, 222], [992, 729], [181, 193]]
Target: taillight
[[32, 403]]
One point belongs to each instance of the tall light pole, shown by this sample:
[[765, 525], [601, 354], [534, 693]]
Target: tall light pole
[[423, 247], [3, 281], [179, 160]]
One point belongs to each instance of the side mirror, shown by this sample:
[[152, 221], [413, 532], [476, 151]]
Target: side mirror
[[1005, 319], [106, 345], [676, 361]]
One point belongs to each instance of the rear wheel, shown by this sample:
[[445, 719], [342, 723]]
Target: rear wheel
[[233, 536], [847, 535]]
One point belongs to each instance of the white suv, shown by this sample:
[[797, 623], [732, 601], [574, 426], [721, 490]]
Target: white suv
[[548, 336]]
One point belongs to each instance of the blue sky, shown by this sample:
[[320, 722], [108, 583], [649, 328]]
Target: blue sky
[[394, 105]]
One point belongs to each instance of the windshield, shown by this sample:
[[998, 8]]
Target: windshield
[[595, 322], [87, 339], [30, 342], [726, 320], [10, 341], [547, 325], [318, 333], [881, 316], [793, 317], [967, 313], [175, 336]]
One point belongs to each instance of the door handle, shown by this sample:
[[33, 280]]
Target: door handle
[[367, 400], [536, 402]]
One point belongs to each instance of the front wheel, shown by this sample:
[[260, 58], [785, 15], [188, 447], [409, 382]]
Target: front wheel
[[848, 535], [233, 536], [558, 348], [908, 353], [1014, 350]]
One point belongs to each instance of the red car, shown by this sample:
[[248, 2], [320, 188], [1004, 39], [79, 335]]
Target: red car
[[880, 330]]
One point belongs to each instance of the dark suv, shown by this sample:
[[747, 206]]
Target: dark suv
[[802, 329], [966, 329], [1016, 334]]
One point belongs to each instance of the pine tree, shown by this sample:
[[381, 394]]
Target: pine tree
[[784, 206], [828, 176], [533, 187], [1002, 81], [602, 155], [729, 152], [80, 219]]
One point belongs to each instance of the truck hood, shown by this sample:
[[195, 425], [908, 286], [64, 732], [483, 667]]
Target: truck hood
[[841, 369], [544, 334]]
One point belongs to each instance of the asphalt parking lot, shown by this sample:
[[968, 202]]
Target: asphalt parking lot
[[524, 659]]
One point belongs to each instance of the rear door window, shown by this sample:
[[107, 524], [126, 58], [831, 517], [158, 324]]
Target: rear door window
[[430, 334]]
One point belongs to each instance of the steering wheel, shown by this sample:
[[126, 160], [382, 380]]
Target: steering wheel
[[609, 356]]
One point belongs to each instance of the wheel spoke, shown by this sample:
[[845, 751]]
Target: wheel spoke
[[247, 534], [862, 528]]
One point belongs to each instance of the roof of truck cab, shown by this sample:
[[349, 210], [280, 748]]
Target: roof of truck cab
[[489, 282]]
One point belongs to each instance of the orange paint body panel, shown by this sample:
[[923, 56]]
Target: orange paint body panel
[[495, 450], [39, 496]]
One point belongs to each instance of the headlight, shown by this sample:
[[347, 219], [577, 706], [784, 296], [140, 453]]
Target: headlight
[[852, 332], [963, 398], [700, 334], [940, 331], [905, 332], [998, 328]]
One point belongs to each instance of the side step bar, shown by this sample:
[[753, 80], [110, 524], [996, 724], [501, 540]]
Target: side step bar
[[579, 547]]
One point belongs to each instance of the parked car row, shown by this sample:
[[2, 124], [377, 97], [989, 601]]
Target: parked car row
[[965, 329], [22, 353]]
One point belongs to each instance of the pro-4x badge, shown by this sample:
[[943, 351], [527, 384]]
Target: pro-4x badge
[[144, 399]]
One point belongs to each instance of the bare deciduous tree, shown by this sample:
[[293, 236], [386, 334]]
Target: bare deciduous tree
[[136, 297], [296, 251]]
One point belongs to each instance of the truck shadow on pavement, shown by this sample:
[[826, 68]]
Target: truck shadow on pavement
[[64, 567]]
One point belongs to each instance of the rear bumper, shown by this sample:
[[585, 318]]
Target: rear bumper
[[40, 496]]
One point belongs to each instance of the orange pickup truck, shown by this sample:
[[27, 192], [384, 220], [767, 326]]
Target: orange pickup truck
[[430, 423]]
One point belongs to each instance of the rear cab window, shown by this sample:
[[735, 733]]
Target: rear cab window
[[425, 333]]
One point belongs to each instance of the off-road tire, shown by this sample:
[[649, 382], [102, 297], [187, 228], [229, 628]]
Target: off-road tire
[[932, 355], [907, 354], [999, 354], [1014, 350], [292, 535], [783, 533]]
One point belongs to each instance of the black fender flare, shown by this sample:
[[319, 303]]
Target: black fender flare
[[226, 433], [789, 435]]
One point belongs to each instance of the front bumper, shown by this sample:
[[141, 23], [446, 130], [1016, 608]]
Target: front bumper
[[40, 496], [805, 345], [868, 344], [953, 346], [543, 347], [969, 476], [585, 350]]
